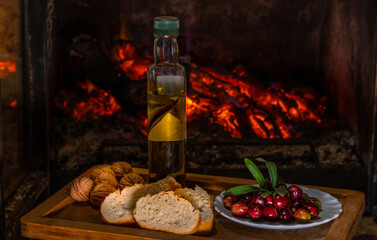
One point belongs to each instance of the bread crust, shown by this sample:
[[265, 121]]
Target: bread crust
[[124, 222], [191, 231], [205, 228]]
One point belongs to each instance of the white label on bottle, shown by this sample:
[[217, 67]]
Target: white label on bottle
[[170, 85]]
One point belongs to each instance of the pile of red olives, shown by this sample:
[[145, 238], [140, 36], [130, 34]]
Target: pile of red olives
[[294, 205]]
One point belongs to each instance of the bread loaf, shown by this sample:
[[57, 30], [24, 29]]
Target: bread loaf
[[200, 199], [168, 212], [117, 207]]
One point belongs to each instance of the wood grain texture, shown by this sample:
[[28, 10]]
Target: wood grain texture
[[82, 221], [63, 204]]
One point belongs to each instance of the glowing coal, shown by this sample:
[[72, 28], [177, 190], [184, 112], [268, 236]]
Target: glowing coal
[[97, 103], [234, 100]]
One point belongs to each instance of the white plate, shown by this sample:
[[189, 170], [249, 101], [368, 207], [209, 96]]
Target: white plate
[[331, 208]]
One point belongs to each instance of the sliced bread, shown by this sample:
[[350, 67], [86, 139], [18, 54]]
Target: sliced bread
[[167, 212], [117, 207], [200, 199]]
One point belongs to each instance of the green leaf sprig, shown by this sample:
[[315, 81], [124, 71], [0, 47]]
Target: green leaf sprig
[[272, 171], [243, 189], [254, 170]]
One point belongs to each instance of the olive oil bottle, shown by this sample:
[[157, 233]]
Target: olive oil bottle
[[166, 104]]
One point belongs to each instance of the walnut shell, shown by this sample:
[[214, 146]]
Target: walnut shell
[[121, 168], [80, 189], [130, 179], [99, 193], [106, 178], [98, 170]]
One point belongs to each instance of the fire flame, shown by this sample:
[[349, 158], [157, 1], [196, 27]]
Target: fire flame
[[98, 103], [239, 103], [13, 104], [271, 111], [132, 65], [9, 66]]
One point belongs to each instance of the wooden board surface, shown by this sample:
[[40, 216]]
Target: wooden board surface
[[82, 221]]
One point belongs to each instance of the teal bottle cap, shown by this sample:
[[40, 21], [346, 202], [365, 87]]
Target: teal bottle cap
[[166, 25]]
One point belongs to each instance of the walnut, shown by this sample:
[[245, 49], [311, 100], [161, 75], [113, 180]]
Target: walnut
[[106, 178], [98, 170], [80, 189], [121, 168], [99, 193], [130, 179]]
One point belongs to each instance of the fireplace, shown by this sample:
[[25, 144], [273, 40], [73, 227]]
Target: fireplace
[[291, 82]]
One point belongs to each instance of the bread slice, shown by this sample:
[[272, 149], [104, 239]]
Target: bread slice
[[200, 199], [118, 206], [167, 212]]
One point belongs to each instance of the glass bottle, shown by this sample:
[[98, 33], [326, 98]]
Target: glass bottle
[[166, 104]]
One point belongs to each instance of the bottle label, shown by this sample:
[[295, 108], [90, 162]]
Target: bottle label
[[169, 128]]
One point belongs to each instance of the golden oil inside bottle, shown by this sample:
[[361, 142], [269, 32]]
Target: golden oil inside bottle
[[166, 135]]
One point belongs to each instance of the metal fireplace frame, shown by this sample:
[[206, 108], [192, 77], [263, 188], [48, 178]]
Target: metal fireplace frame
[[35, 65]]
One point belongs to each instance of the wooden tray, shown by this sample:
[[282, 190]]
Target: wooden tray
[[81, 221]]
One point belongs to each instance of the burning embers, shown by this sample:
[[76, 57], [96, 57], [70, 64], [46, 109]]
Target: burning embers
[[6, 67], [271, 111], [94, 104], [241, 104]]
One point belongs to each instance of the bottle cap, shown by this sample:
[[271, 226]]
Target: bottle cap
[[166, 25]]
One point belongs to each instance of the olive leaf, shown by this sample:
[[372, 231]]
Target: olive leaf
[[255, 172], [242, 189], [266, 193], [282, 190], [272, 171]]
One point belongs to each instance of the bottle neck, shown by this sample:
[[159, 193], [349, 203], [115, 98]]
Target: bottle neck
[[165, 49]]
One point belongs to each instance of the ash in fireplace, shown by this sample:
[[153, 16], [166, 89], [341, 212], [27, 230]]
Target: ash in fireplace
[[79, 143], [337, 149], [231, 156]]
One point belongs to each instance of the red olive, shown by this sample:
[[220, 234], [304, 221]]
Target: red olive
[[295, 192], [269, 200], [228, 200], [302, 215], [255, 212], [270, 213], [280, 202], [312, 209], [314, 201], [239, 209], [258, 200], [246, 198], [298, 203], [285, 215]]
